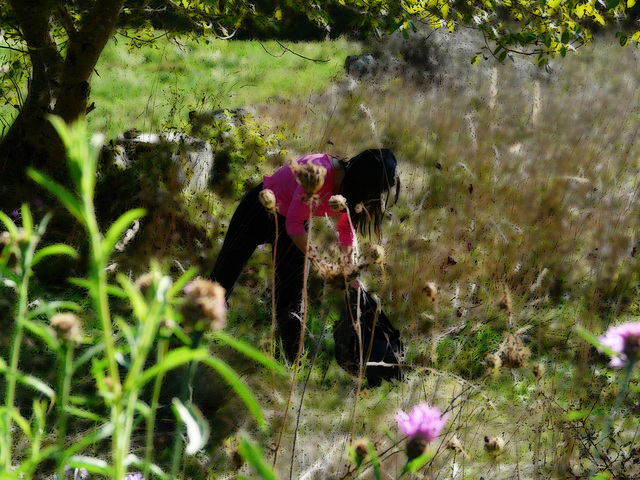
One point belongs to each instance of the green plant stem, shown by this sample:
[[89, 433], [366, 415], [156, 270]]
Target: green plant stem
[[15, 356], [163, 348], [65, 391], [303, 322], [176, 454]]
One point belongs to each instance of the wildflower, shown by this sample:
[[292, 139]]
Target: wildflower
[[76, 473], [624, 341], [268, 200], [359, 207], [66, 326], [134, 476], [337, 203], [422, 425], [310, 177], [493, 445], [205, 300]]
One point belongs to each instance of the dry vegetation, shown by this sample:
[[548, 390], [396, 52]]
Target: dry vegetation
[[520, 204]]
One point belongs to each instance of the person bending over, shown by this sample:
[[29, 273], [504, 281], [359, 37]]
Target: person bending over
[[362, 180]]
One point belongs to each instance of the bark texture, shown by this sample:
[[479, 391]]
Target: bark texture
[[58, 85]]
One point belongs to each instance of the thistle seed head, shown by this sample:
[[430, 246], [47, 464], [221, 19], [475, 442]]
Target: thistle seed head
[[337, 203], [268, 200], [205, 300], [493, 445], [517, 353], [66, 326], [538, 371], [493, 361], [505, 303], [360, 449], [431, 289], [377, 253], [310, 177]]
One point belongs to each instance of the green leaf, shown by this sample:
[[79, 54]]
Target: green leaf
[[180, 283], [375, 461], [593, 340], [12, 228], [69, 201], [27, 219], [251, 352], [196, 424], [240, 388], [30, 381], [46, 334], [92, 465], [57, 249], [80, 413], [254, 457], [417, 463], [175, 358], [137, 301], [117, 229]]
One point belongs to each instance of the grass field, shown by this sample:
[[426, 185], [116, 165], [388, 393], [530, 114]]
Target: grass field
[[519, 202]]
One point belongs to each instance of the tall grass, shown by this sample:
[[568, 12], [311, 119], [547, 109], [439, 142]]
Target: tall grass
[[519, 204]]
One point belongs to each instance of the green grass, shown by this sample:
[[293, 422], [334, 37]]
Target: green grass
[[155, 88]]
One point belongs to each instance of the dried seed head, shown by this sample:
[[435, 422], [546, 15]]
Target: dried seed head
[[538, 371], [145, 282], [431, 289], [335, 274], [310, 177], [205, 300], [359, 207], [67, 326], [361, 449], [493, 361], [454, 444], [517, 353], [505, 303], [268, 200], [337, 203], [493, 445], [377, 253], [416, 446]]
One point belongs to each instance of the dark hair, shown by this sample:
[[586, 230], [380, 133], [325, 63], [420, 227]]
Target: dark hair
[[367, 177]]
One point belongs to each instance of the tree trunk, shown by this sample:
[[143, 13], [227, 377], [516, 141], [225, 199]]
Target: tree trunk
[[59, 86]]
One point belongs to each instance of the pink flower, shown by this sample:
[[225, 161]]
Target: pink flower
[[422, 420], [624, 340]]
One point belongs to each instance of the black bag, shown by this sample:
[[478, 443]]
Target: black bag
[[387, 353]]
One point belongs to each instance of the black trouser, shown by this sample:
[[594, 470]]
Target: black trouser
[[250, 226]]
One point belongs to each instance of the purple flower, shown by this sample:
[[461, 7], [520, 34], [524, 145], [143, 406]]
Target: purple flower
[[422, 420], [624, 341], [134, 476], [14, 213]]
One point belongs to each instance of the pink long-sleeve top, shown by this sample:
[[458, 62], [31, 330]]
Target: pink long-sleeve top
[[292, 202]]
